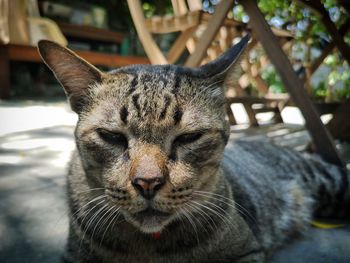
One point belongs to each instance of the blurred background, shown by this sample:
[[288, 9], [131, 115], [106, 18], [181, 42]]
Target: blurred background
[[107, 27], [37, 125]]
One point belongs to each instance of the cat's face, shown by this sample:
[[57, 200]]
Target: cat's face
[[149, 135]]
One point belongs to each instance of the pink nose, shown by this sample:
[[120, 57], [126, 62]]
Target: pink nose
[[148, 186]]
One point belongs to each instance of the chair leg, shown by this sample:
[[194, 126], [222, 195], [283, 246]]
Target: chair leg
[[4, 72], [251, 115], [295, 87], [231, 117]]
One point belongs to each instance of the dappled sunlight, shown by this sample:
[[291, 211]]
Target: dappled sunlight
[[239, 113], [326, 118], [278, 133], [265, 117], [21, 118], [63, 157], [292, 115], [10, 159], [54, 144]]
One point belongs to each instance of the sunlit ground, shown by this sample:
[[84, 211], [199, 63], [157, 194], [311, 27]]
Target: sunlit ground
[[22, 116], [36, 141]]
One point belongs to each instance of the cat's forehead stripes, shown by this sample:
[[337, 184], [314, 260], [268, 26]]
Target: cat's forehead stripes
[[124, 114], [151, 93], [135, 101], [166, 105], [177, 115], [133, 85]]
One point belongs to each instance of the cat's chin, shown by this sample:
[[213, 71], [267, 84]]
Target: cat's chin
[[149, 221]]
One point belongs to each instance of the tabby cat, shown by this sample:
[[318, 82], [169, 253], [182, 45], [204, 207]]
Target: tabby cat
[[152, 181]]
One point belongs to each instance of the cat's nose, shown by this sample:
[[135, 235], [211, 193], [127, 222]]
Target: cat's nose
[[148, 171], [148, 187]]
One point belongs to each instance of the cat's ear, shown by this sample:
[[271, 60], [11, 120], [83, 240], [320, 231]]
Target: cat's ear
[[74, 73], [223, 68]]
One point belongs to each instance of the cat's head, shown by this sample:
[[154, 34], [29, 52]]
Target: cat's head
[[151, 136]]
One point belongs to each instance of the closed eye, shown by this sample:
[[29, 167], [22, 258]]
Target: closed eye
[[113, 138], [187, 138]]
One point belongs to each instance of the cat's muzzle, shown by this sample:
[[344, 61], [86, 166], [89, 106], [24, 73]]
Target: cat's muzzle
[[150, 220]]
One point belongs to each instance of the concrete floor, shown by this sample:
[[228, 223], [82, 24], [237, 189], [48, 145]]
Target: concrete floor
[[35, 145]]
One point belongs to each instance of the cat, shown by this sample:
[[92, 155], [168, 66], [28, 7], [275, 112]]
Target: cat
[[155, 177]]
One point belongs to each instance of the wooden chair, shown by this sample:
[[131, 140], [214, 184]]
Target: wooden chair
[[191, 21], [204, 43]]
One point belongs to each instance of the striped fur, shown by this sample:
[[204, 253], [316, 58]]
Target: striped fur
[[233, 204]]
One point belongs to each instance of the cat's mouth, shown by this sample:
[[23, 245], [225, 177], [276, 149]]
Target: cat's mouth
[[151, 220], [151, 213]]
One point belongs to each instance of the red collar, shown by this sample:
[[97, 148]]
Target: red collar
[[156, 235]]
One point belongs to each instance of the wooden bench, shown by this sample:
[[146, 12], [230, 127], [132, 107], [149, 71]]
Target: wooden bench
[[12, 52]]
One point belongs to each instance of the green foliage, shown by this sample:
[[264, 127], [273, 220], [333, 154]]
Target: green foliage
[[310, 37], [320, 91], [156, 7], [271, 78], [311, 34]]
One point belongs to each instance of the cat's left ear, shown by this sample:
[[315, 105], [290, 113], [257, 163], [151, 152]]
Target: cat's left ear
[[74, 73], [222, 68]]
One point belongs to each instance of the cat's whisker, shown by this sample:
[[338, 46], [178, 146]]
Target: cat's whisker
[[223, 197], [110, 212], [113, 216], [194, 218], [233, 205], [223, 212], [91, 219], [203, 215], [218, 214], [88, 210], [213, 223], [101, 218], [187, 215], [81, 224], [179, 216], [229, 202], [65, 213]]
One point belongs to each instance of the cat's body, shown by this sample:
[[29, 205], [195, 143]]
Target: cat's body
[[276, 196], [150, 181]]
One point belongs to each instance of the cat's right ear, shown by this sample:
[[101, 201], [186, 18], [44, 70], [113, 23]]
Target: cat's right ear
[[74, 73]]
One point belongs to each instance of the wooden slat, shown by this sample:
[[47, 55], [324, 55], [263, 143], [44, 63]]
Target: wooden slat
[[254, 100], [29, 53], [206, 17], [328, 49], [111, 60], [179, 45], [179, 7], [337, 38], [152, 50], [319, 133], [194, 5], [89, 32], [208, 35], [251, 114], [169, 24], [231, 117]]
